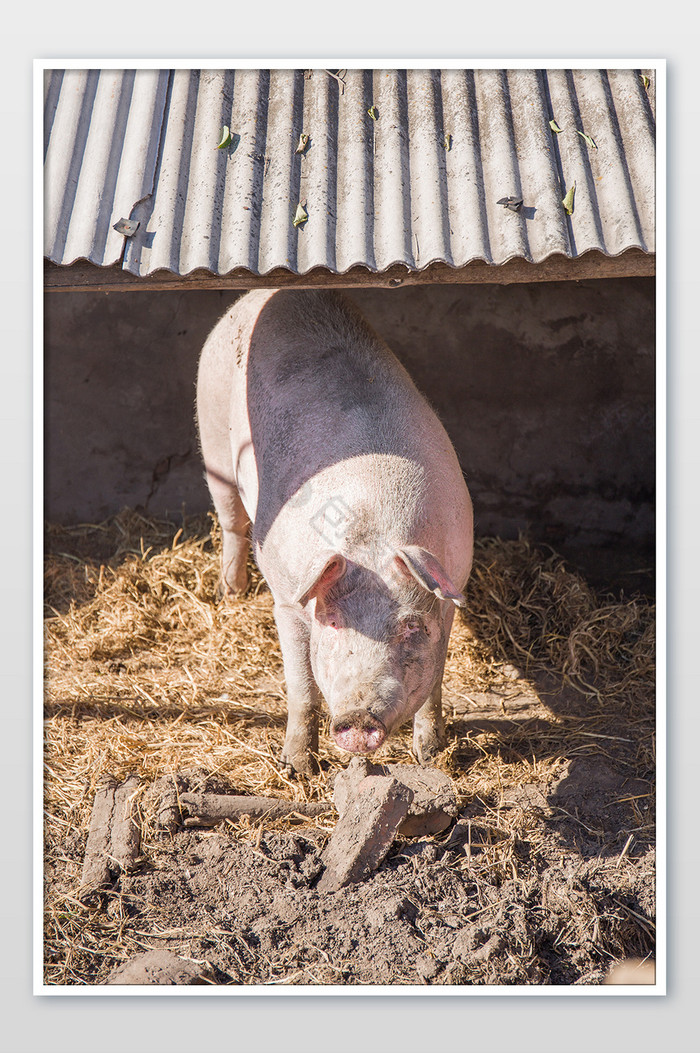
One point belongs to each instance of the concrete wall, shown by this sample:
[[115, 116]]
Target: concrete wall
[[547, 391]]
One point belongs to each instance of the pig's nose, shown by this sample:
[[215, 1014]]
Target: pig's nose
[[358, 731]]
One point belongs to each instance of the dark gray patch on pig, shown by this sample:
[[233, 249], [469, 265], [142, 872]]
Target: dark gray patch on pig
[[346, 380], [335, 374]]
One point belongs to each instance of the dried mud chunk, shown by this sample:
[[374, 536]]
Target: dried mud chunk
[[427, 967], [207, 809], [434, 803], [468, 948], [494, 945], [167, 790], [159, 967], [126, 832], [365, 832], [96, 872], [114, 838], [389, 909]]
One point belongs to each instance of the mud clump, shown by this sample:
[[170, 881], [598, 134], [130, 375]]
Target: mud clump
[[433, 803], [158, 967]]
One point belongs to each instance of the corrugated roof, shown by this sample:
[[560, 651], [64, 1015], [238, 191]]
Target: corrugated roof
[[416, 182]]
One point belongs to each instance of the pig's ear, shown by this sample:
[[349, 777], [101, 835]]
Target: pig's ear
[[428, 572], [323, 574]]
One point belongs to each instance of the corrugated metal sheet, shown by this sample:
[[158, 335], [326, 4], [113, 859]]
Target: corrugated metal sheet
[[142, 144]]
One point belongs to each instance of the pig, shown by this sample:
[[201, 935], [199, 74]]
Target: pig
[[312, 432]]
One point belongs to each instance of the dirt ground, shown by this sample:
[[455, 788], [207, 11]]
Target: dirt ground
[[547, 876]]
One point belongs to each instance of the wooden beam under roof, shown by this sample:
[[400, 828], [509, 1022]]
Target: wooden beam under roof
[[85, 277]]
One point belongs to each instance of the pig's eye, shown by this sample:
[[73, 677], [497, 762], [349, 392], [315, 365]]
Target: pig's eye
[[410, 627], [330, 619]]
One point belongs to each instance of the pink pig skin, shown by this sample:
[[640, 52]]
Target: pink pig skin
[[312, 431]]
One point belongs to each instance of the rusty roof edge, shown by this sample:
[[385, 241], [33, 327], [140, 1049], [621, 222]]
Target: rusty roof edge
[[475, 259], [471, 261], [84, 275]]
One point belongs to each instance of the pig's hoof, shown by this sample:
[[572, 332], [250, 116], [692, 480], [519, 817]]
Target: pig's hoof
[[302, 763], [224, 591], [427, 747]]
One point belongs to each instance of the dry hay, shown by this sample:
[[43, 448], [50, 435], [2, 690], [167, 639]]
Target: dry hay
[[146, 673]]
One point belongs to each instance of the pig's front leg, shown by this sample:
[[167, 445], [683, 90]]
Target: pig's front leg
[[429, 727], [303, 695], [429, 736]]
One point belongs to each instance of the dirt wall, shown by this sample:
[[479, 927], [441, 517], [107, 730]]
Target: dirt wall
[[547, 391]]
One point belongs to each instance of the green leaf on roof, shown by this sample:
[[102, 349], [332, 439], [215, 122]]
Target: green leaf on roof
[[568, 201], [300, 216], [225, 138], [554, 126], [301, 145], [587, 139], [372, 111]]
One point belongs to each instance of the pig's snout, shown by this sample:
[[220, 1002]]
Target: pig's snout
[[358, 731]]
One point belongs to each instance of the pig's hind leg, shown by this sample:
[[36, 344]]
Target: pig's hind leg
[[234, 523]]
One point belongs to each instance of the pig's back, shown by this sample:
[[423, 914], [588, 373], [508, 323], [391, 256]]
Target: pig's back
[[324, 387], [327, 406]]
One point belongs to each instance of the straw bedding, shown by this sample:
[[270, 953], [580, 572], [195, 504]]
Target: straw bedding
[[547, 876]]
